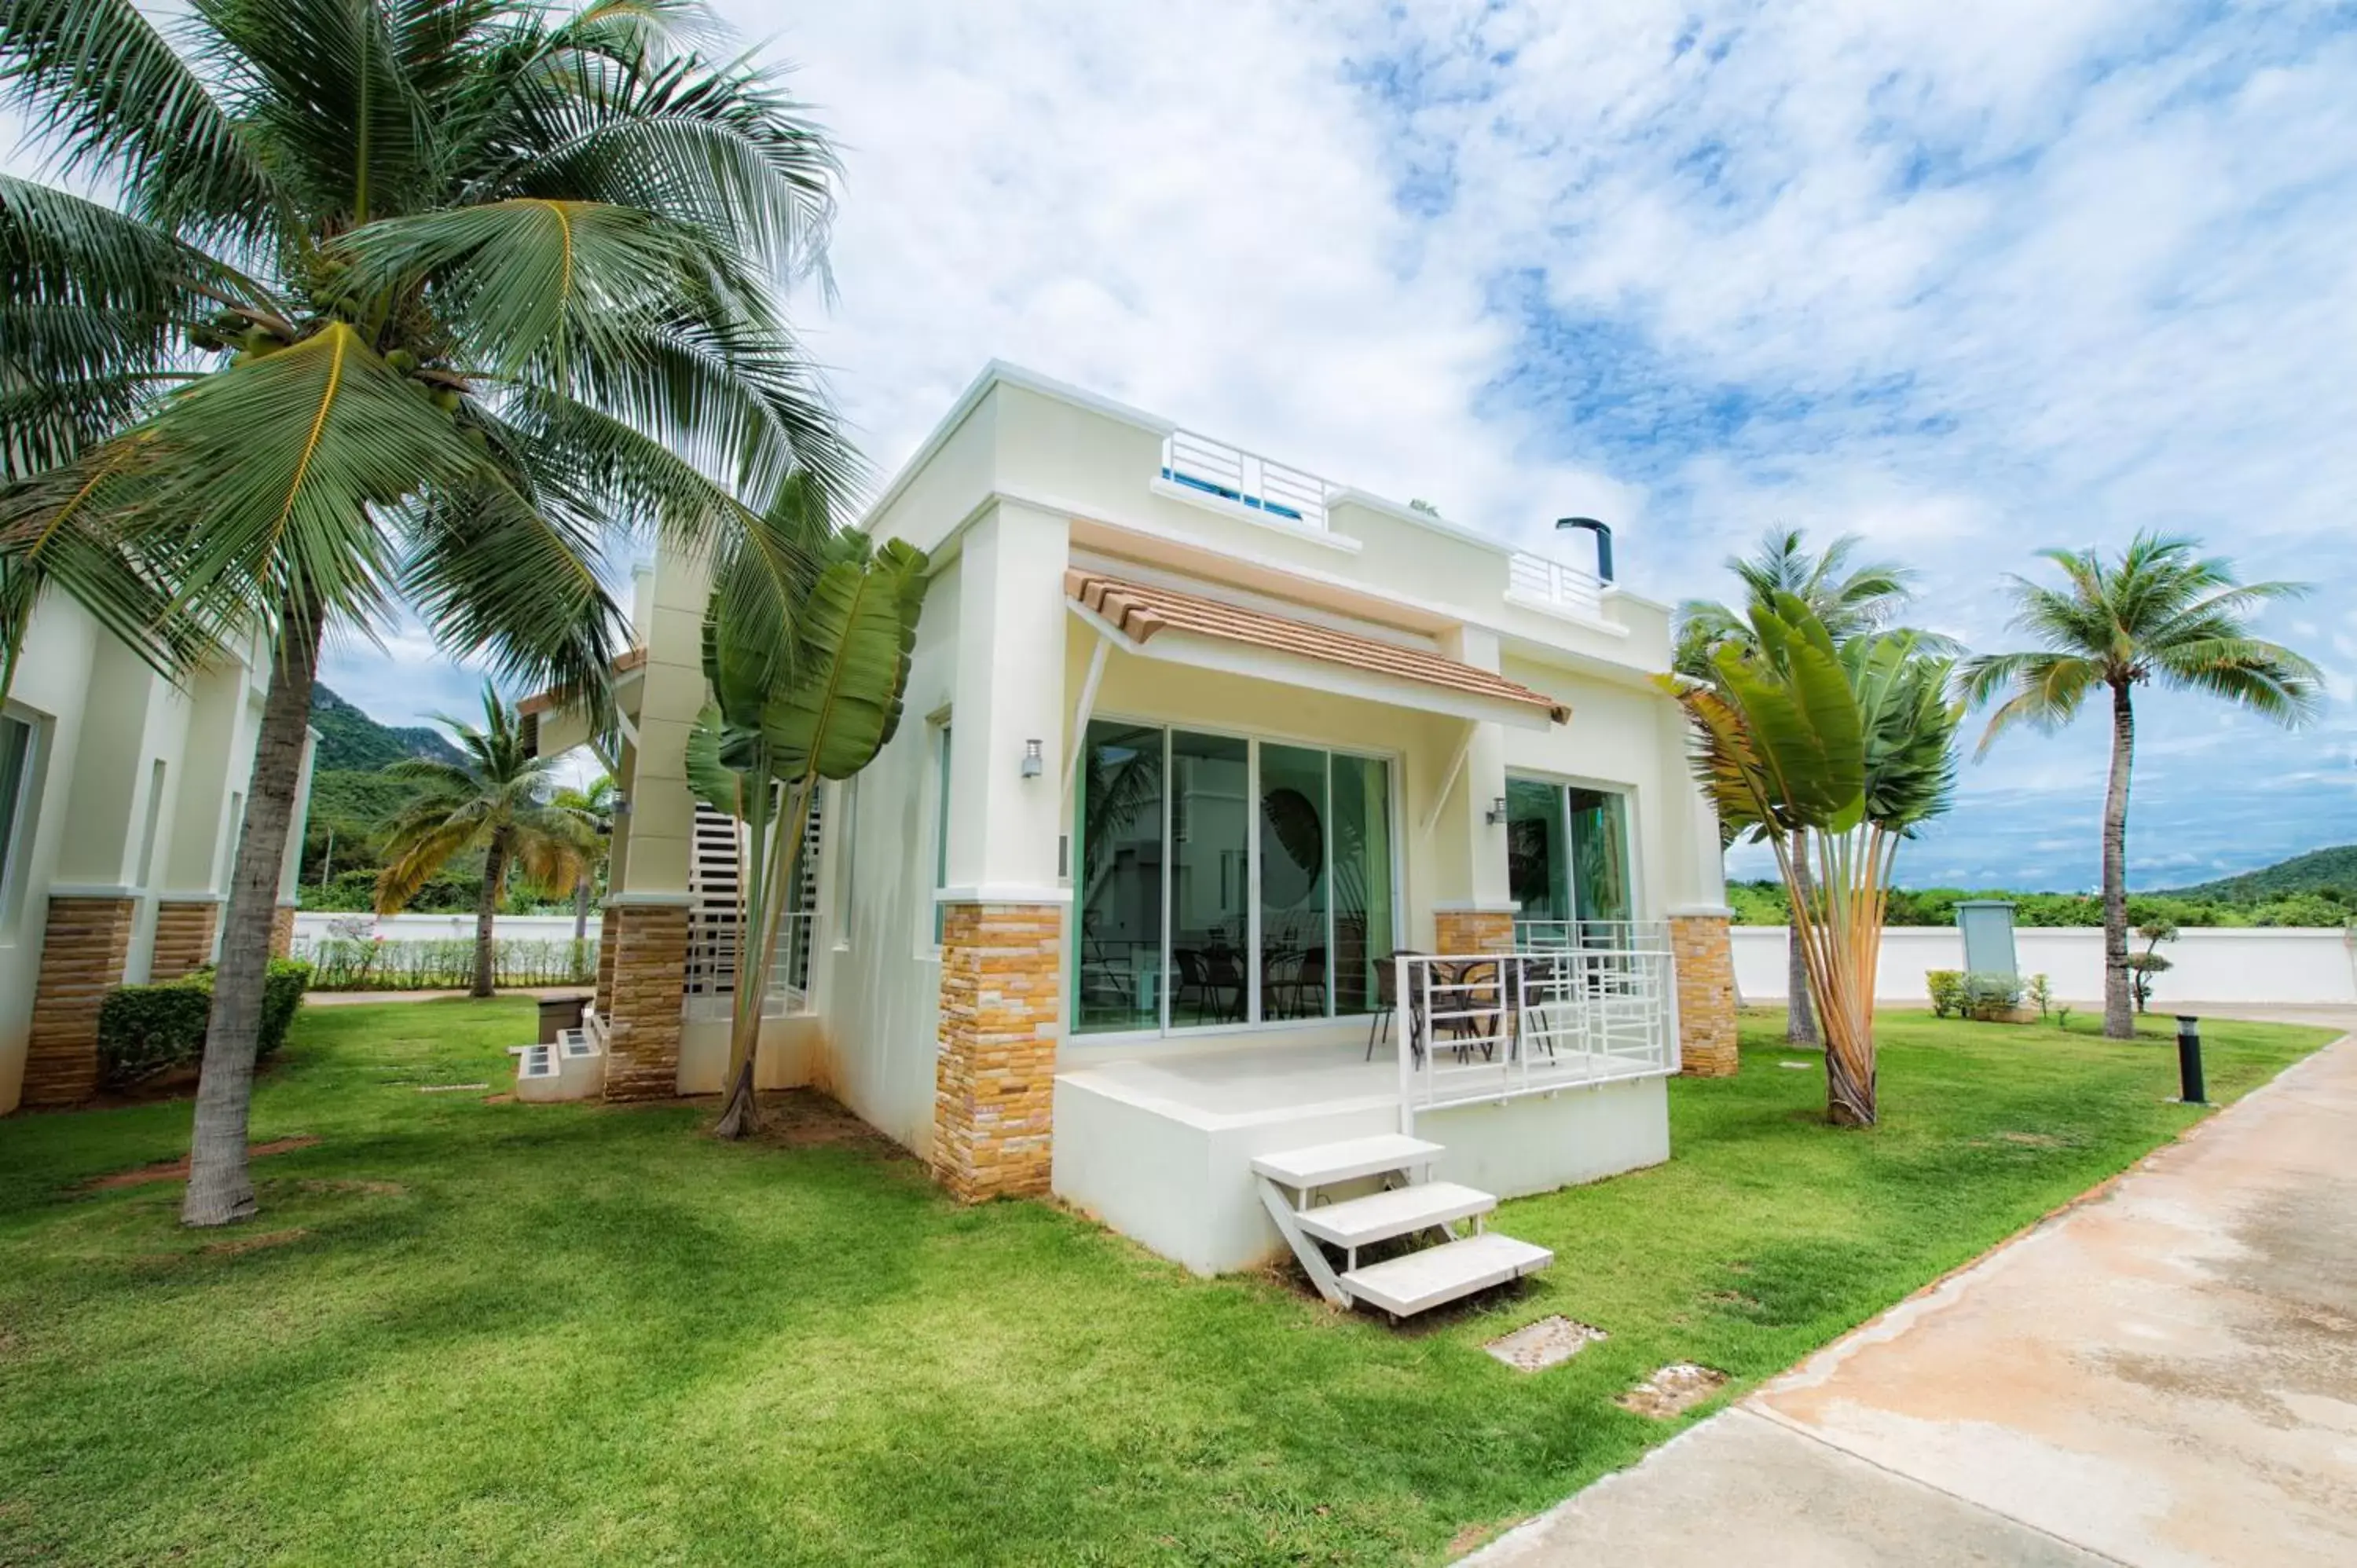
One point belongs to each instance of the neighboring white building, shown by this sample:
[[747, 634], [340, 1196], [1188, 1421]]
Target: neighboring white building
[[121, 795], [1193, 743]]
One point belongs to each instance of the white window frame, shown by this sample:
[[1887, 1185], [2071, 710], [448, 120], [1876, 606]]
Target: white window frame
[[1561, 783], [1394, 762], [26, 824], [940, 754]]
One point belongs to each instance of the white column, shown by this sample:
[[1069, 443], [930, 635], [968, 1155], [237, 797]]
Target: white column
[[1465, 833], [1008, 692]]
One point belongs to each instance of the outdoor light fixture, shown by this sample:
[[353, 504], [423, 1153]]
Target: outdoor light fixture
[[1497, 811], [1033, 763]]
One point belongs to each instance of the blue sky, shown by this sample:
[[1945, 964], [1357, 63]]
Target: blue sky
[[1964, 280]]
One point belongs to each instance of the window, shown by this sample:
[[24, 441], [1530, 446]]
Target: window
[[846, 808], [1222, 880], [941, 830], [17, 782], [147, 832], [1567, 852]]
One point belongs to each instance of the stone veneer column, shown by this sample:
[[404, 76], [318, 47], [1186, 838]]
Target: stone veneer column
[[1461, 931], [646, 992], [184, 937], [282, 931], [995, 1080], [1706, 975], [83, 949], [607, 919]]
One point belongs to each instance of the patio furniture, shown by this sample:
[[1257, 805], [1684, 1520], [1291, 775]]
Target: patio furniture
[[1387, 1002]]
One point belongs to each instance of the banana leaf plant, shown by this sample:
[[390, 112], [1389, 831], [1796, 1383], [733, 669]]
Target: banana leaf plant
[[792, 705], [1833, 754]]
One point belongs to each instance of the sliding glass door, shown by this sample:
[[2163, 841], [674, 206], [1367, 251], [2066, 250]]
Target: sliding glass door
[[1567, 852], [1225, 881]]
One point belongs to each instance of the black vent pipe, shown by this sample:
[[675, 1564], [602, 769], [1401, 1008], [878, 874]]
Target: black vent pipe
[[1603, 532]]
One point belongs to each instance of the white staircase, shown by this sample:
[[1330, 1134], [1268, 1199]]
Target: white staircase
[[1409, 1203], [572, 1068]]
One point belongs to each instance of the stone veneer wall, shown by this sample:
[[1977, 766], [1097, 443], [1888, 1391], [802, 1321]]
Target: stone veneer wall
[[83, 951], [645, 992], [184, 937], [1458, 931], [995, 1080], [282, 931], [1706, 968]]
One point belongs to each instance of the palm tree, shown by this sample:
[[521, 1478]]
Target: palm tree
[[421, 301], [2162, 614], [1850, 599], [594, 805], [498, 802], [1838, 753]]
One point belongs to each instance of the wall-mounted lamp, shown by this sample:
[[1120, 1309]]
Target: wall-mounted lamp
[[1033, 763], [1498, 812]]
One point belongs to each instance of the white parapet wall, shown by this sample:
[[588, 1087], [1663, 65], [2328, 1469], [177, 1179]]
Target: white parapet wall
[[2282, 964]]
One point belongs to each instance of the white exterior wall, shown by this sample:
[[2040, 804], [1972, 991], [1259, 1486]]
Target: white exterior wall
[[102, 721], [2231, 964]]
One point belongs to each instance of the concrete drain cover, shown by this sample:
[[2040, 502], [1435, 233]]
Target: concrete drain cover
[[1539, 1345], [1671, 1390]]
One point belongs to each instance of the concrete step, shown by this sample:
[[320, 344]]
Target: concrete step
[[1346, 1161], [1402, 1211], [1420, 1281]]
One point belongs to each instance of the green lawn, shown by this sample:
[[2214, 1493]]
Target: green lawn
[[565, 1334]]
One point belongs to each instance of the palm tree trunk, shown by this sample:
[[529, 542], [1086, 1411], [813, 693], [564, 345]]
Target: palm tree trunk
[[581, 907], [1800, 1017], [220, 1190], [487, 908], [2119, 1007]]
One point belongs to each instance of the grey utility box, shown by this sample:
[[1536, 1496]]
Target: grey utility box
[[1987, 926]]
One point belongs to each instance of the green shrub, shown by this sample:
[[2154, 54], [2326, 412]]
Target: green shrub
[[146, 1029], [2041, 995], [1986, 995], [1947, 987]]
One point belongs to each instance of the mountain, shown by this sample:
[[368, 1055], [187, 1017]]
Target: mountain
[[2311, 872], [348, 738]]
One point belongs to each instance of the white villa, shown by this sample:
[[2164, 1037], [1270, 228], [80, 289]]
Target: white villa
[[1205, 761], [121, 794]]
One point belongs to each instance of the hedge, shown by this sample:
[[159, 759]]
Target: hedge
[[448, 963], [146, 1029]]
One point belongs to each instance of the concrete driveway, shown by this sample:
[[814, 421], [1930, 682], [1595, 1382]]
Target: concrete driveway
[[2163, 1375]]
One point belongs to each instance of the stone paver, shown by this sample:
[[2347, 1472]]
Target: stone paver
[[2165, 1375]]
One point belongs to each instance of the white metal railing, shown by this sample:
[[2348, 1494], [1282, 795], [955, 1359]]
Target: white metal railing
[[1481, 1027], [1556, 584], [1247, 478], [1631, 936]]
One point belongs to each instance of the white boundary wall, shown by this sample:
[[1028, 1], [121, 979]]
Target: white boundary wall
[[2278, 964], [310, 925]]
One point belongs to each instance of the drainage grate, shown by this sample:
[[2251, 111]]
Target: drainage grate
[[1549, 1341]]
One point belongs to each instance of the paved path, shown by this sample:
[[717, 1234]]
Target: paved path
[[2162, 1376]]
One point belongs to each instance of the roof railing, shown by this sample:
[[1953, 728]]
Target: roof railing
[[1556, 584], [1243, 479]]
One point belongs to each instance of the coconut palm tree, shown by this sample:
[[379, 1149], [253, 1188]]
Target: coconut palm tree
[[1851, 599], [594, 803], [1838, 753], [498, 802], [385, 301], [2162, 614]]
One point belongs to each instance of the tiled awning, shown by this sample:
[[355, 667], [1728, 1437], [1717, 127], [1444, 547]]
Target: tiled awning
[[1140, 612], [630, 659]]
